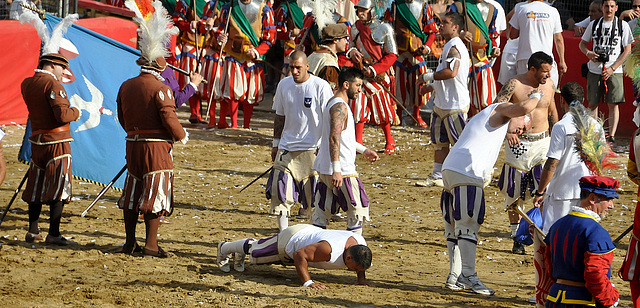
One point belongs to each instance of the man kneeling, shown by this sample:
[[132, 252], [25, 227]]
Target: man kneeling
[[304, 246]]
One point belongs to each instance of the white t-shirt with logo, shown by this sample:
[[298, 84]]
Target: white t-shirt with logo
[[615, 43], [301, 104], [537, 23]]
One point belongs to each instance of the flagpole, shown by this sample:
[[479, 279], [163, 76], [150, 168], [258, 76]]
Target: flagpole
[[24, 178], [104, 190]]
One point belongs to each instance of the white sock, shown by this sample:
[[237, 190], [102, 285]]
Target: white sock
[[283, 221], [468, 256], [455, 262], [233, 247], [514, 229], [437, 167]]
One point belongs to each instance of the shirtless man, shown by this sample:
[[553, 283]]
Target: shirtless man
[[525, 155]]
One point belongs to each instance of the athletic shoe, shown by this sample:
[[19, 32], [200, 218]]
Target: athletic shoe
[[473, 283], [431, 181], [238, 262], [518, 248], [222, 260], [452, 283]]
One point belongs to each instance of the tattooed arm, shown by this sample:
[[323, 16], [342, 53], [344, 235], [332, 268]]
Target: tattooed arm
[[338, 123], [278, 126], [547, 173]]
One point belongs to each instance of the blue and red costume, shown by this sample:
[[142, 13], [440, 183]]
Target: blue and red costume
[[579, 256]]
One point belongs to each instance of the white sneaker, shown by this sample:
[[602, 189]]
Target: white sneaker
[[238, 262], [452, 283], [431, 181], [222, 260], [473, 283]]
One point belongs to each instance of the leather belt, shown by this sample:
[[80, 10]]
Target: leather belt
[[146, 131], [59, 129], [570, 283], [534, 137]]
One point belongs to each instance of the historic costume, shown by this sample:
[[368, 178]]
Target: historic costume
[[183, 16], [580, 252], [49, 180], [629, 269], [146, 111], [415, 28], [481, 18], [288, 16], [211, 66], [375, 40], [324, 62], [251, 33]]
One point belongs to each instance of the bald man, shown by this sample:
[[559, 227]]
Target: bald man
[[298, 102]]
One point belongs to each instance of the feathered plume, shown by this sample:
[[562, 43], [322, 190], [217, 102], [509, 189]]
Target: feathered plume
[[33, 19], [590, 144], [323, 11], [155, 33], [53, 45], [632, 66]]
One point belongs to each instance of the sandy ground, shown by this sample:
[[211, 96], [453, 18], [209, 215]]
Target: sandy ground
[[405, 234]]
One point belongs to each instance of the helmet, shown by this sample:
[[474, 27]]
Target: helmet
[[367, 4]]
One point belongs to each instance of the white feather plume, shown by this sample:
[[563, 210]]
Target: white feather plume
[[33, 19], [53, 46], [155, 33], [323, 11]]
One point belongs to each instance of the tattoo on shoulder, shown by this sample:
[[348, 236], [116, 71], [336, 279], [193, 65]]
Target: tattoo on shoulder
[[506, 92], [454, 53]]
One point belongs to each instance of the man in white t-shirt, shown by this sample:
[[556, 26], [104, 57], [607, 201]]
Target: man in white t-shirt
[[304, 246], [467, 170], [340, 188], [452, 99], [297, 127], [612, 40], [595, 12], [539, 26]]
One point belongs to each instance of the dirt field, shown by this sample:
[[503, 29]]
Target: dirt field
[[405, 234]]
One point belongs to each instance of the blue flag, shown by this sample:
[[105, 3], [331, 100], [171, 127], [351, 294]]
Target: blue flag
[[100, 67]]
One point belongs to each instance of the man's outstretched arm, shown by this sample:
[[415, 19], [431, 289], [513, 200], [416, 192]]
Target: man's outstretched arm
[[318, 252]]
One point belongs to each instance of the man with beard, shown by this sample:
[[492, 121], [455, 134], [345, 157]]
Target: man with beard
[[324, 61], [374, 51], [340, 187], [525, 155], [298, 102]]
